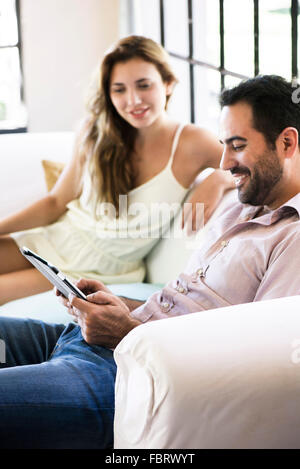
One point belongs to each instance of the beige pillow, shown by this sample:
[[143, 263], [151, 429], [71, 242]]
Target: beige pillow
[[52, 171]]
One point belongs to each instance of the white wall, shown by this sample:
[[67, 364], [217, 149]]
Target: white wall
[[63, 41]]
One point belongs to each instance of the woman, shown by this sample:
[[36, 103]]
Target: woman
[[127, 150]]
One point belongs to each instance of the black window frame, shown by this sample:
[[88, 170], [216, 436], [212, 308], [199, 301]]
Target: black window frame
[[193, 62], [18, 45]]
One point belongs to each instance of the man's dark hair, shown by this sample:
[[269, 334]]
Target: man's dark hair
[[271, 100]]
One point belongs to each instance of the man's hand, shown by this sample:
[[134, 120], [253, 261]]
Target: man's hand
[[104, 319], [87, 286]]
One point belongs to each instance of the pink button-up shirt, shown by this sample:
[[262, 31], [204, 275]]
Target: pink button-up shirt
[[250, 254]]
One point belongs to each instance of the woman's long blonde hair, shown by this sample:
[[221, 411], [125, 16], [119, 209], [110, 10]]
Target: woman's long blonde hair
[[108, 140]]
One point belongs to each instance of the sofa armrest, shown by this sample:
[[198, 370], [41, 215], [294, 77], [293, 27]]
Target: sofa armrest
[[225, 378]]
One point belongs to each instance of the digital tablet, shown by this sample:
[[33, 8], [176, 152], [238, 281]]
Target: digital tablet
[[53, 274]]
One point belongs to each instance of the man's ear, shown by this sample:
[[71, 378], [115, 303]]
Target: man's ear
[[288, 141]]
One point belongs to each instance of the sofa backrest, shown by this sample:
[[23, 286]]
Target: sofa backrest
[[21, 177], [170, 255]]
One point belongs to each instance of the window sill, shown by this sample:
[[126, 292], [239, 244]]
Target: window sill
[[13, 131]]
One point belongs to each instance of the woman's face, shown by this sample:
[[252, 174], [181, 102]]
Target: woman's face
[[138, 92]]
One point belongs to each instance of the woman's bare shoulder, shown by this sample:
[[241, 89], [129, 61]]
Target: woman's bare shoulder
[[198, 149], [194, 135]]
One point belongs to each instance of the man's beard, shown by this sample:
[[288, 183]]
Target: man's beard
[[265, 175]]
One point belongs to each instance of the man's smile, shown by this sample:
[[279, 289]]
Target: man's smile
[[239, 179], [240, 175]]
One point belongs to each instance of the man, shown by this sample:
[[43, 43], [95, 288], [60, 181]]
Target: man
[[65, 399]]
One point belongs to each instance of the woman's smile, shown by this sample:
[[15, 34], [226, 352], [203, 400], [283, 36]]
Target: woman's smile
[[139, 113]]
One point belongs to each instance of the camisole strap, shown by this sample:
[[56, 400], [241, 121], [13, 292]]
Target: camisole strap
[[175, 143]]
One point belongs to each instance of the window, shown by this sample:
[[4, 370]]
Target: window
[[12, 112], [216, 43]]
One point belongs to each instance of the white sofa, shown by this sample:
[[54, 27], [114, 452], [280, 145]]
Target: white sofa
[[227, 378]]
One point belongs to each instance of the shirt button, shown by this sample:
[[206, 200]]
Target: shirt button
[[200, 272], [224, 243], [181, 289], [165, 305]]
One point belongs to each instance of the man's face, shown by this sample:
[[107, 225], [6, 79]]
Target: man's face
[[255, 166]]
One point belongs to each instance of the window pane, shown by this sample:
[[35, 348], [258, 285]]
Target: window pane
[[176, 26], [239, 36], [275, 37], [206, 14], [146, 19], [11, 109], [8, 23], [207, 89], [298, 58], [179, 106], [230, 81]]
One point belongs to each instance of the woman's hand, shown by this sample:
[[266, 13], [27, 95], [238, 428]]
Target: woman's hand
[[205, 199]]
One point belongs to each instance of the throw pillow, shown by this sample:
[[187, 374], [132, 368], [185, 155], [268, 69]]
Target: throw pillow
[[52, 171]]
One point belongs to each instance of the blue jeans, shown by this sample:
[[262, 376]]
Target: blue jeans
[[56, 391]]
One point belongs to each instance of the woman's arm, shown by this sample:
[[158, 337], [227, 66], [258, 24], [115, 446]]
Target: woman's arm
[[52, 206], [208, 192], [200, 149]]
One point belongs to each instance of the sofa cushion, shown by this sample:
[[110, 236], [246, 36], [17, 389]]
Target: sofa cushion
[[46, 306]]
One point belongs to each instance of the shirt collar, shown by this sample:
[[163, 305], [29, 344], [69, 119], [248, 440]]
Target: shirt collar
[[264, 215], [294, 202]]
